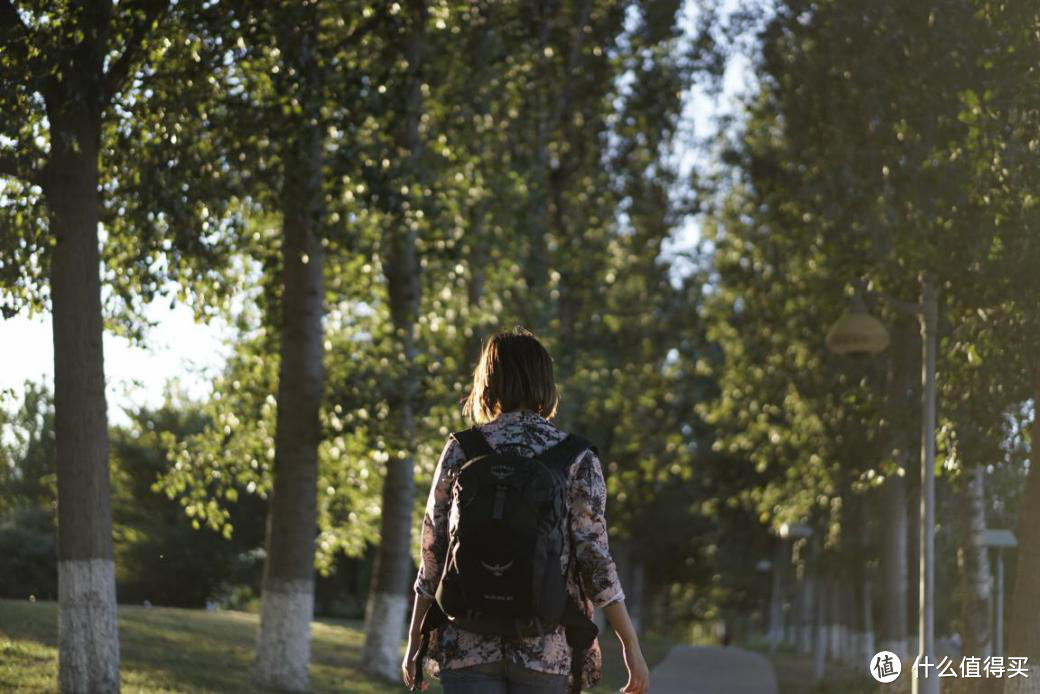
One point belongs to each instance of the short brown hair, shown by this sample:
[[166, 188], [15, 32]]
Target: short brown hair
[[514, 371]]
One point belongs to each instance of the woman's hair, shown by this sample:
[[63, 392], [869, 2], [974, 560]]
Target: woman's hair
[[514, 371]]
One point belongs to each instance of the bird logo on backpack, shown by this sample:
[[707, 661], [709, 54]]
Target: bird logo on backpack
[[497, 570]]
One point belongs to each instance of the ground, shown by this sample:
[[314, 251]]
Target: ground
[[176, 651], [713, 670]]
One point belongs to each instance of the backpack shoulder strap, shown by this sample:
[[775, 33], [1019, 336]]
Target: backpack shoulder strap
[[565, 452], [473, 443]]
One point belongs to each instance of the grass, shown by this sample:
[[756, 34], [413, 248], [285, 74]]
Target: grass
[[794, 674], [167, 650]]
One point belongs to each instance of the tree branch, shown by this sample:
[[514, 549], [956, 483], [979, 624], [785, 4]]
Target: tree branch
[[147, 13]]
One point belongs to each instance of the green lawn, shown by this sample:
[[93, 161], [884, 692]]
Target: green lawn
[[170, 650], [794, 675]]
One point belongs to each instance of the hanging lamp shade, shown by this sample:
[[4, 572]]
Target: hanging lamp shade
[[857, 333]]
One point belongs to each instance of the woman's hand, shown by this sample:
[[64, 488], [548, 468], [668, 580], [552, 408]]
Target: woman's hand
[[638, 673], [408, 670], [408, 665]]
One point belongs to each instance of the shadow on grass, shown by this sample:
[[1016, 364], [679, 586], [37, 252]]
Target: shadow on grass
[[795, 674], [177, 650], [166, 649]]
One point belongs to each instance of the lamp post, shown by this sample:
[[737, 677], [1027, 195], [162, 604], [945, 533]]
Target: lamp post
[[859, 333]]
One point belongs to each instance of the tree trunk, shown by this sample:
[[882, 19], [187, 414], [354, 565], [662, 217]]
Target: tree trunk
[[894, 567], [806, 602], [283, 644], [819, 630], [834, 620], [775, 617], [851, 628], [976, 604], [867, 642], [1023, 626], [88, 639], [865, 603], [387, 605]]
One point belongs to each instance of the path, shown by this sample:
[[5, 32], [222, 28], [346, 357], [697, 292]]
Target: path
[[712, 670]]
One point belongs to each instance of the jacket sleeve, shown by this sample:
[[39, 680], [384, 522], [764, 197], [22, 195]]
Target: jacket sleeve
[[434, 540], [588, 528]]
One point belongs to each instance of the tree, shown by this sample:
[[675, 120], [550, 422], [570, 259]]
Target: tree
[[283, 645], [67, 66], [387, 605]]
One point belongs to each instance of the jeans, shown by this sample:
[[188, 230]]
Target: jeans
[[501, 677]]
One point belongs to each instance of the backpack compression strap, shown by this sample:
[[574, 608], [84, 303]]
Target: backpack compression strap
[[581, 633], [432, 620], [473, 443]]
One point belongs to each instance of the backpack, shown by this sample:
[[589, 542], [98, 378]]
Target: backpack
[[502, 571]]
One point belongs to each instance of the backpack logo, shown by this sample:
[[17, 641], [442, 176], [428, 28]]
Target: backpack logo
[[498, 570], [501, 471]]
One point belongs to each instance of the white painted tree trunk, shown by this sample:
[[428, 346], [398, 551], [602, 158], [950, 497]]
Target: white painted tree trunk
[[820, 629], [867, 644], [88, 639], [383, 641], [807, 600], [283, 647], [850, 628], [833, 620]]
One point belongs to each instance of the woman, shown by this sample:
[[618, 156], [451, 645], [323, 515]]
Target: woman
[[512, 399]]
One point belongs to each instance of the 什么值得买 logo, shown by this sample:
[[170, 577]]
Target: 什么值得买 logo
[[885, 666]]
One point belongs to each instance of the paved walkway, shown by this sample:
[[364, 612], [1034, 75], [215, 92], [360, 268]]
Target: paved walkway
[[712, 670]]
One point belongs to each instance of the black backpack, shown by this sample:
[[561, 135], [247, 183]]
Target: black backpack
[[502, 571]]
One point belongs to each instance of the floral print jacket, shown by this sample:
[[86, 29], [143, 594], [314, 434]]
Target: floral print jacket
[[527, 433]]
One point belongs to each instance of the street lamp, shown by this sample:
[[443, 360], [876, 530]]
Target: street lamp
[[858, 333]]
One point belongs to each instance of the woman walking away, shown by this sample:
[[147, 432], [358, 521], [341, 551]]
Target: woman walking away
[[514, 545]]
